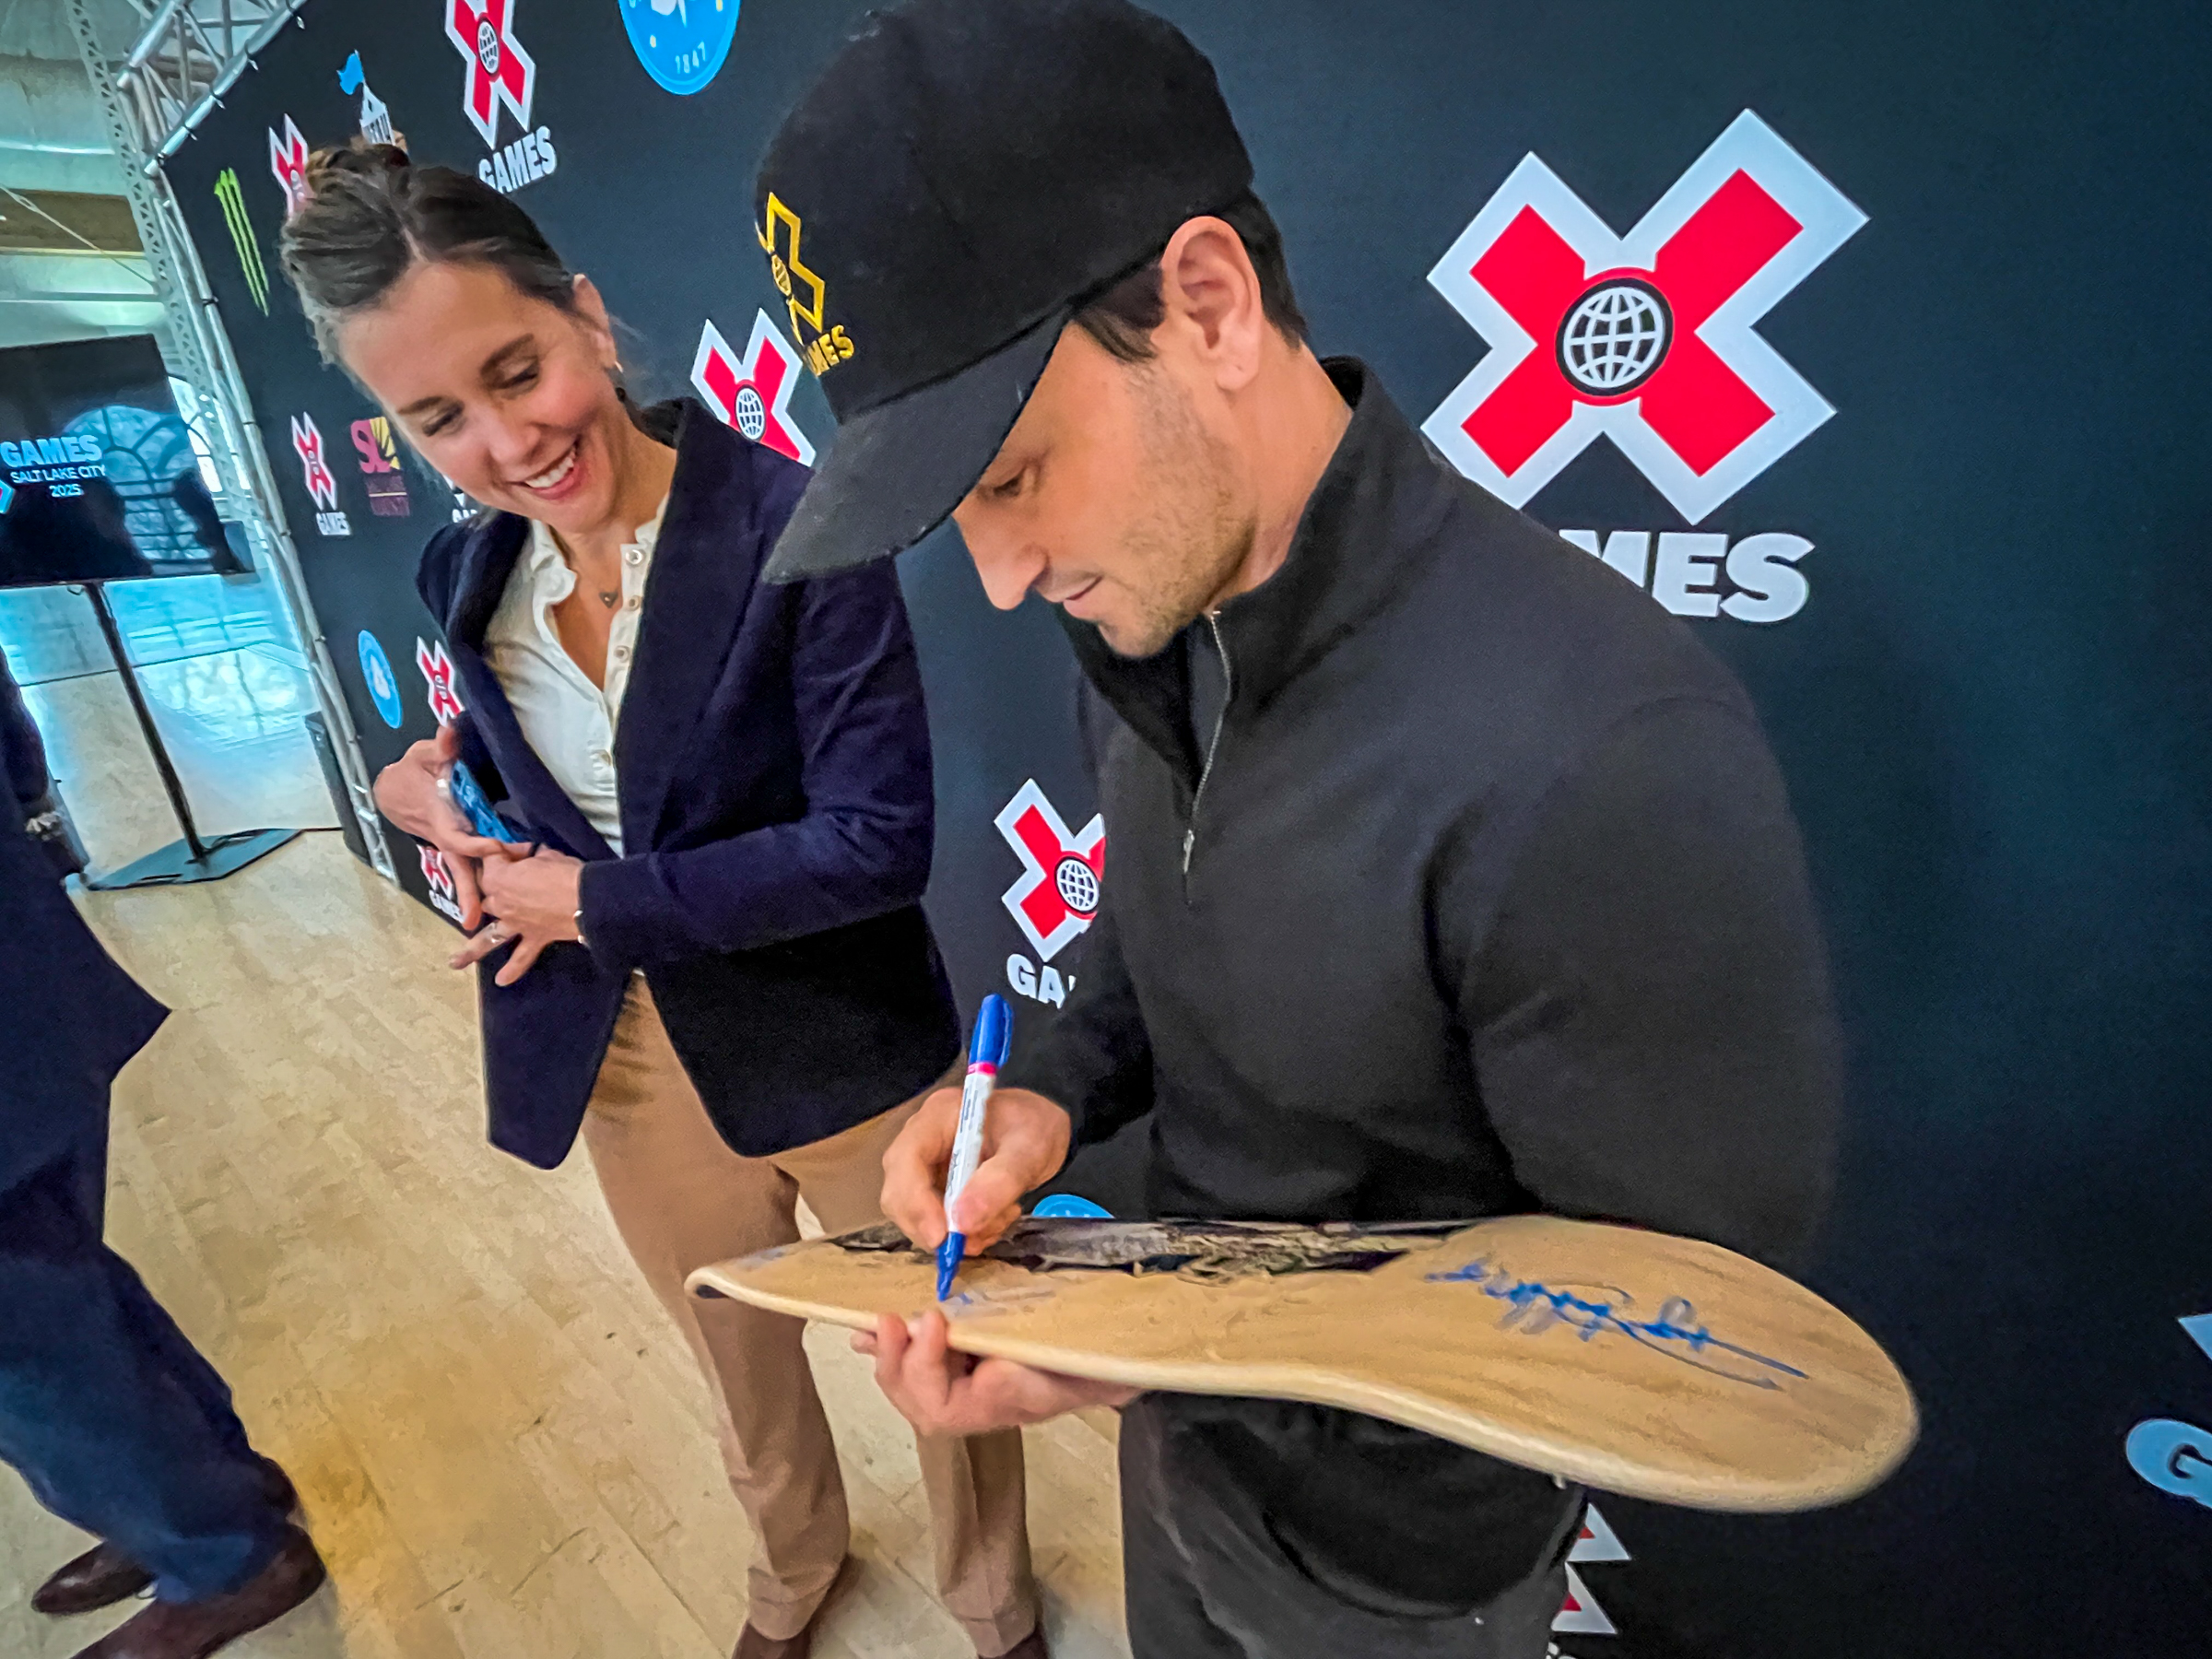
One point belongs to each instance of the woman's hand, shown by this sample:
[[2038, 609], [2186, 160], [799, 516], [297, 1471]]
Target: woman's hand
[[535, 899], [407, 792]]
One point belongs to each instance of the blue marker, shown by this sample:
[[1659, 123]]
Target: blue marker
[[986, 1054]]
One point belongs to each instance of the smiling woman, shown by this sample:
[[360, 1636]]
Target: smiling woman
[[707, 953]]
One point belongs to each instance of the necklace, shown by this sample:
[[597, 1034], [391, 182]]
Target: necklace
[[610, 597]]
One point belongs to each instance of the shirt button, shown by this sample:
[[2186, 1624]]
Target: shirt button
[[633, 556], [621, 653], [632, 603]]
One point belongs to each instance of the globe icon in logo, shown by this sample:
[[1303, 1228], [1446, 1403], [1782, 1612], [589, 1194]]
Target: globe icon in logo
[[1615, 337], [1078, 885], [487, 47], [749, 413]]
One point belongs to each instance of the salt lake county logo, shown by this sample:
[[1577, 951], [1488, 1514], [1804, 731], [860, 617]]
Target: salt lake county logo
[[235, 221], [380, 468], [1645, 338], [826, 345], [499, 73], [376, 115], [753, 393], [376, 672], [682, 43], [288, 162]]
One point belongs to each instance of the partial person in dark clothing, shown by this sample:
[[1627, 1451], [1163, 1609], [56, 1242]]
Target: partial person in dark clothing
[[1451, 876], [106, 1409], [24, 769], [22, 751], [193, 500]]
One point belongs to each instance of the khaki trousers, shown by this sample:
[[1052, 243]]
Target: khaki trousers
[[681, 1199]]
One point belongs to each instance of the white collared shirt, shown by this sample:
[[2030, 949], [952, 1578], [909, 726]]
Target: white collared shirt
[[569, 722]]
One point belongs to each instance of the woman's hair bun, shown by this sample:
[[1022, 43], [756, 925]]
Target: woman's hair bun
[[358, 158], [370, 218]]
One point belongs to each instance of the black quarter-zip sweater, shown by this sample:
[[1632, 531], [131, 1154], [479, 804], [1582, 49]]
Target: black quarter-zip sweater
[[1471, 888]]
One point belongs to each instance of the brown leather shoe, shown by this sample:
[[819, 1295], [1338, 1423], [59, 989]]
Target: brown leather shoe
[[1030, 1647], [104, 1575], [751, 1644], [280, 1487], [195, 1630]]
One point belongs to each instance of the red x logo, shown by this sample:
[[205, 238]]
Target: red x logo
[[1644, 344], [500, 71], [1057, 895], [307, 443], [288, 160], [1645, 338], [437, 673], [439, 874], [753, 393]]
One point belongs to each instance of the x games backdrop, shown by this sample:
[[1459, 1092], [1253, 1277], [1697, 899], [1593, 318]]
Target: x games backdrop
[[1870, 337]]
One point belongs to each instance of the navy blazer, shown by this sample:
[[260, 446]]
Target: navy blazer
[[69, 1016], [772, 769]]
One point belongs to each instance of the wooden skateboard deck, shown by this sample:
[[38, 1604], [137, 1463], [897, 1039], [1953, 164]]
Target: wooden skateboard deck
[[1632, 1362]]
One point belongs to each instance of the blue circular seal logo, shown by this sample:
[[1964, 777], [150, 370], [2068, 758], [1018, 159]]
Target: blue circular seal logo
[[682, 43], [376, 668]]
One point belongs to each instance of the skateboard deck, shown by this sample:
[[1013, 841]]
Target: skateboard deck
[[1630, 1361]]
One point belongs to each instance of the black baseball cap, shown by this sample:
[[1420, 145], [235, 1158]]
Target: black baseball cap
[[965, 175]]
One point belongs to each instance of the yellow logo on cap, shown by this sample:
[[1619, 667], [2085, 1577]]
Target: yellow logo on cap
[[803, 292]]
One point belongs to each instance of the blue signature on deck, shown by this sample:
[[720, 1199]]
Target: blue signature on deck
[[1535, 1307]]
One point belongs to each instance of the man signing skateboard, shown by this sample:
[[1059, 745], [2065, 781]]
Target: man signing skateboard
[[1451, 876]]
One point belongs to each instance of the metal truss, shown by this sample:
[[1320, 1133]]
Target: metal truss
[[191, 52]]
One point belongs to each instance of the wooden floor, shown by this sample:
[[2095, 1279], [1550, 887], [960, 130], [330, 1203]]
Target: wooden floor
[[503, 1444], [231, 722]]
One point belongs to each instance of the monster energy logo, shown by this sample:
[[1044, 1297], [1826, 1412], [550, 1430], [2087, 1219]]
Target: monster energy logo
[[242, 236]]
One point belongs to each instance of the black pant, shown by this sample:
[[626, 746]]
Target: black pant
[[118, 1424], [1206, 1578]]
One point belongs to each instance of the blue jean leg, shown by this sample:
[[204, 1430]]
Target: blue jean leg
[[167, 1347], [117, 1423]]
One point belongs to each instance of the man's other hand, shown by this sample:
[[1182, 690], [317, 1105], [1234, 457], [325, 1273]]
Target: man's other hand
[[942, 1391]]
